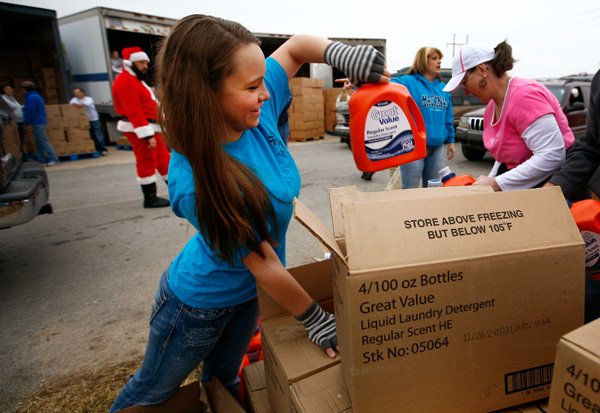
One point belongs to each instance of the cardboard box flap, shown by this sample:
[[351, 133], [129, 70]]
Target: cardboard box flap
[[339, 195], [221, 401], [336, 197], [387, 233], [316, 227], [255, 376]]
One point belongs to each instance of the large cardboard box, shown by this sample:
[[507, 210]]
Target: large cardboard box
[[55, 135], [441, 299], [289, 355], [72, 116], [78, 135], [53, 111], [576, 380]]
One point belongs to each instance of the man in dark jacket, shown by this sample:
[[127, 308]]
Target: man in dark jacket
[[579, 177], [34, 113]]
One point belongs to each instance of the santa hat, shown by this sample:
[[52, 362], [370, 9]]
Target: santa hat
[[133, 54]]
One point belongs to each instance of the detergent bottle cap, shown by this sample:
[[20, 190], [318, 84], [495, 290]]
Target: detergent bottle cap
[[446, 173]]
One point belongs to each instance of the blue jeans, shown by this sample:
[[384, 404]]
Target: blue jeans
[[180, 338], [425, 169], [42, 146], [97, 135]]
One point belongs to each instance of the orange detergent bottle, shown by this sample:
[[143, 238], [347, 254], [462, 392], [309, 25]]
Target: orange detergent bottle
[[386, 127], [587, 218], [449, 178]]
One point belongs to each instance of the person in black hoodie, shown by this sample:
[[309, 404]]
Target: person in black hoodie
[[579, 176]]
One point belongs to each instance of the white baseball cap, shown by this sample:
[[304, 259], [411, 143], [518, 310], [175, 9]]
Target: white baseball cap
[[468, 57]]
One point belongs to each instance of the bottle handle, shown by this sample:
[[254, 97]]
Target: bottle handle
[[416, 114]]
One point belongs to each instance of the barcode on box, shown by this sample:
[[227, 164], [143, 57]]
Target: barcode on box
[[528, 379]]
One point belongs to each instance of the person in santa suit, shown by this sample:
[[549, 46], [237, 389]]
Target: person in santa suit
[[135, 101]]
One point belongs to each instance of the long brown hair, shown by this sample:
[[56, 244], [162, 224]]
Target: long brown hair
[[231, 202]]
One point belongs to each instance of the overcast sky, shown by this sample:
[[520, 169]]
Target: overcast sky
[[549, 37]]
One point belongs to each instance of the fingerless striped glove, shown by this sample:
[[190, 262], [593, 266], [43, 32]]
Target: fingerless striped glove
[[361, 63], [320, 326]]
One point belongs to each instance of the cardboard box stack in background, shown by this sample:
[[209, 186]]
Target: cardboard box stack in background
[[17, 66], [447, 301], [67, 129], [330, 96], [576, 379], [47, 84], [77, 127], [55, 129], [306, 113]]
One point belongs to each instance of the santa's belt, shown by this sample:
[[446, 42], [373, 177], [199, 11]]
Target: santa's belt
[[124, 125], [124, 119]]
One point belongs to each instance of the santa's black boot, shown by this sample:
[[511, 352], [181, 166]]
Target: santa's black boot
[[150, 198]]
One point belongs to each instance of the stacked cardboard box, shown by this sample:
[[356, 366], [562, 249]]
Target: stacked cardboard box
[[306, 114], [48, 85], [445, 300], [55, 129], [17, 66], [330, 96], [68, 130]]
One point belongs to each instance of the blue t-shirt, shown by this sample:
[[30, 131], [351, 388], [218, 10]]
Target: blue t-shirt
[[435, 106], [34, 109], [197, 276]]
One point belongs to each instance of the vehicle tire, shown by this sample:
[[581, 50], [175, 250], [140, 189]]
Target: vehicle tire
[[472, 154]]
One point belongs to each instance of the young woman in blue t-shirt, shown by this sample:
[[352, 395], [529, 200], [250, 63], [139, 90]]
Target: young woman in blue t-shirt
[[233, 179]]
